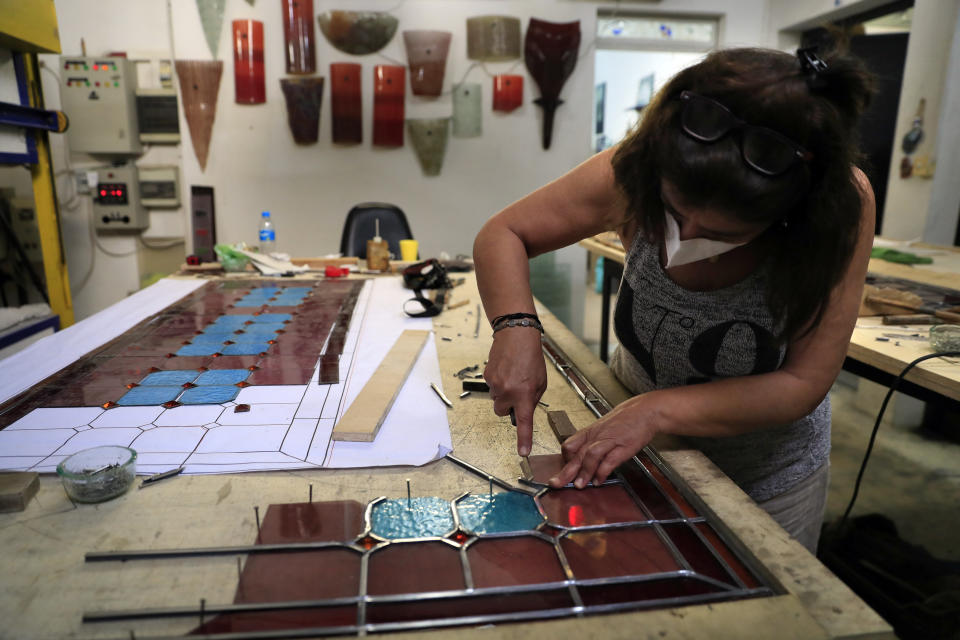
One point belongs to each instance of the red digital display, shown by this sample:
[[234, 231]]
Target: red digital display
[[113, 194]]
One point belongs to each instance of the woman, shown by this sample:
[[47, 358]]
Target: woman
[[748, 230]]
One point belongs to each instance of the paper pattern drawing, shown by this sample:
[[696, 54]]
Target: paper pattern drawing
[[263, 426]]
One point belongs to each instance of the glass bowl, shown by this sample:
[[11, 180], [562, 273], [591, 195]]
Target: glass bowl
[[98, 474], [945, 337]]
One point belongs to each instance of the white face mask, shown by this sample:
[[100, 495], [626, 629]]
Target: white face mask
[[681, 252]]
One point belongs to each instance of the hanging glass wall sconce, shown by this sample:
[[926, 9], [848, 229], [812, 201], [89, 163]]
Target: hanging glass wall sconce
[[199, 87], [303, 96], [345, 101], [467, 119], [427, 56], [358, 32], [298, 39], [493, 38], [388, 105], [429, 138], [248, 82], [550, 51], [507, 92]]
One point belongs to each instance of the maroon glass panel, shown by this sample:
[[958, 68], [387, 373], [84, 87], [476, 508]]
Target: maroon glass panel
[[467, 607], [298, 37], [641, 591], [550, 53], [507, 92], [249, 87], [388, 105], [668, 486], [545, 467], [590, 506], [410, 567], [647, 491], [745, 575], [697, 554], [427, 57], [334, 521], [313, 575], [303, 97], [619, 552], [280, 620], [345, 101], [199, 86], [501, 562]]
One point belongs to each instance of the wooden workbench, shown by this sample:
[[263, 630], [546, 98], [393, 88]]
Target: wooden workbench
[[46, 586]]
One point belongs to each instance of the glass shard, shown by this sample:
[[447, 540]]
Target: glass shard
[[358, 32], [493, 38], [345, 103], [303, 96], [550, 53], [299, 46], [249, 87], [388, 105], [467, 119], [503, 562], [427, 57], [199, 86], [429, 136], [211, 19], [498, 513], [507, 92]]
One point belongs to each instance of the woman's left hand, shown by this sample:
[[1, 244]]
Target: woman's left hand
[[593, 453]]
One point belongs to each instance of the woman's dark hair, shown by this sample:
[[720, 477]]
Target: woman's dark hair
[[819, 201]]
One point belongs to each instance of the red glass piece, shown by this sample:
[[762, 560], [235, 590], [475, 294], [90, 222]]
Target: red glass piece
[[437, 565], [109, 405], [545, 467], [507, 92], [745, 574], [388, 105], [199, 86], [298, 36], [172, 404], [502, 562], [471, 606], [641, 591], [131, 385], [427, 57], [621, 552], [249, 86], [593, 505], [459, 537], [668, 486], [550, 52], [241, 408], [651, 497], [331, 521]]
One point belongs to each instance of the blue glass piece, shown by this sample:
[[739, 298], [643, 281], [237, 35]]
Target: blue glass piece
[[211, 338], [272, 318], [149, 395], [267, 330], [245, 348], [499, 513], [251, 302], [233, 320], [209, 395], [199, 349], [169, 378], [420, 517], [222, 377]]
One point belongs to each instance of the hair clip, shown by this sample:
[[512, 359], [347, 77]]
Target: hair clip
[[812, 66]]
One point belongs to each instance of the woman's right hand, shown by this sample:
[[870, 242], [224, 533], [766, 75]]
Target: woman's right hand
[[517, 377]]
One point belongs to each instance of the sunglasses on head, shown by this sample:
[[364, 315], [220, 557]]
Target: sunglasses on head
[[764, 150]]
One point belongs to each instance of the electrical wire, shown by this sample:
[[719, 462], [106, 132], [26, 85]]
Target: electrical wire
[[876, 425], [161, 247]]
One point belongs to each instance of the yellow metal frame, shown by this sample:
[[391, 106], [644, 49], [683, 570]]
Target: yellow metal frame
[[29, 26], [45, 201]]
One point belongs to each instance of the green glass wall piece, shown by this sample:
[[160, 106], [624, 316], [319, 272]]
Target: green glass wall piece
[[211, 18], [467, 112], [358, 32], [429, 136], [493, 38]]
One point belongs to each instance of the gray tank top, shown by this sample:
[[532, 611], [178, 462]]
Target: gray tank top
[[670, 336]]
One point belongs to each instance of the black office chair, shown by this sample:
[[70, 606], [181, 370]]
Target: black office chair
[[360, 226]]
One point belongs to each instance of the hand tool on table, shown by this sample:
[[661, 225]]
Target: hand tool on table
[[916, 318], [943, 315]]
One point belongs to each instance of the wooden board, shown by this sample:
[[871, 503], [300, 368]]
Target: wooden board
[[365, 416], [16, 489]]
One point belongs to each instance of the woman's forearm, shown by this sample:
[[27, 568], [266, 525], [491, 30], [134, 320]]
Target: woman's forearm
[[503, 271]]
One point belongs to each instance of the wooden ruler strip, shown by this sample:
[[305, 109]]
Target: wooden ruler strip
[[561, 425], [365, 416]]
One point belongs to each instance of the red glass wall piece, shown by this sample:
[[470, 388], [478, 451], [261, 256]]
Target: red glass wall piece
[[550, 52], [507, 92], [388, 105], [345, 102], [427, 57], [199, 87], [298, 38], [248, 80], [303, 97]]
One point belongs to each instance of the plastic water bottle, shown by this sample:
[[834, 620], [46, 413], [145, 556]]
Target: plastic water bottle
[[268, 235]]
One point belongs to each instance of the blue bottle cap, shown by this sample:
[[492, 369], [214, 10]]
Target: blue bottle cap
[[265, 214]]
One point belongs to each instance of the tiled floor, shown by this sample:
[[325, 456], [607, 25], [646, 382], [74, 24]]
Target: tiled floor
[[913, 477]]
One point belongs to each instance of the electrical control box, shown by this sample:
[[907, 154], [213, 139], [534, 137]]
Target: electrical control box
[[116, 201], [159, 187], [99, 97], [157, 116]]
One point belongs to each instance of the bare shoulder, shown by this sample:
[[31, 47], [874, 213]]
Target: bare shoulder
[[868, 204]]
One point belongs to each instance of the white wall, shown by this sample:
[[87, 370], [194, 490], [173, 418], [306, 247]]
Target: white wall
[[254, 164]]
